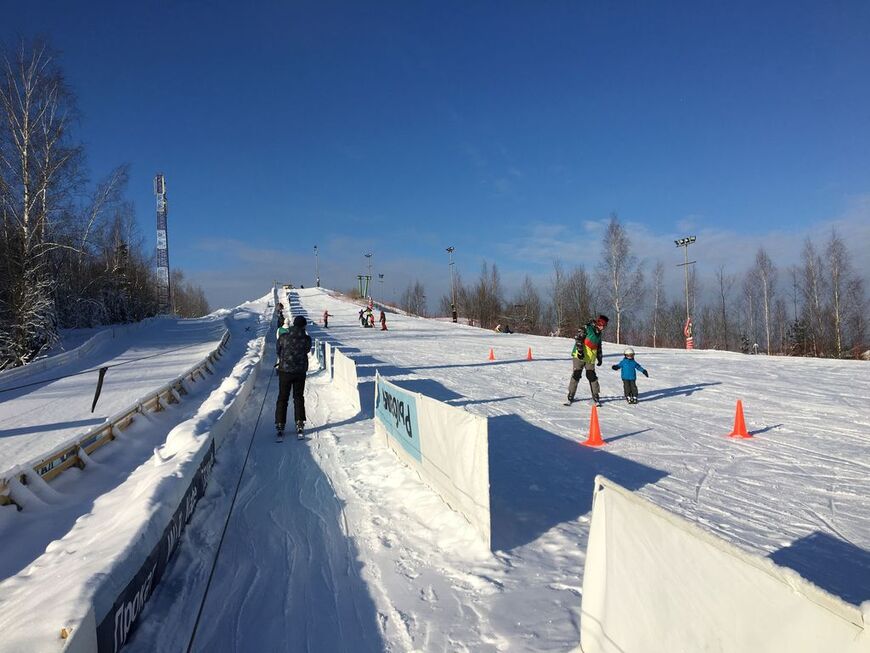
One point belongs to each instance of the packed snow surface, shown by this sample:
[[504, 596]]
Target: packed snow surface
[[332, 544]]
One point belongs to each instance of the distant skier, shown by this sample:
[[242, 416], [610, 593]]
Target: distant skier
[[587, 353], [326, 317], [629, 368], [362, 317], [292, 349], [383, 320], [370, 319]]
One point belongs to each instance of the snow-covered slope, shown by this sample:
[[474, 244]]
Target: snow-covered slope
[[333, 545], [795, 492]]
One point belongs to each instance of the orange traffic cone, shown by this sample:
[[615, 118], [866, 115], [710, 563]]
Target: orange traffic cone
[[739, 423], [529, 355], [594, 431], [491, 354]]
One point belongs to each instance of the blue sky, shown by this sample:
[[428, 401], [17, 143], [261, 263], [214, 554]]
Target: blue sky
[[510, 130]]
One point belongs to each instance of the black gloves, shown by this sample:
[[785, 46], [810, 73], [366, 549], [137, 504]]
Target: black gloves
[[614, 367], [646, 374], [598, 362]]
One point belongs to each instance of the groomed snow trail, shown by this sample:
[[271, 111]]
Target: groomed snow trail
[[400, 571], [288, 577]]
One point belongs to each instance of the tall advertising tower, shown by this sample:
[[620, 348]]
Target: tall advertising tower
[[163, 305]]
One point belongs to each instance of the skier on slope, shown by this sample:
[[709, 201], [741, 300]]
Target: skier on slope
[[292, 349], [587, 353], [326, 317], [383, 320], [629, 368]]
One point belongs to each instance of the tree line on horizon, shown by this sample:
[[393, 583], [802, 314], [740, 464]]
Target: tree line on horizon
[[71, 255], [817, 307]]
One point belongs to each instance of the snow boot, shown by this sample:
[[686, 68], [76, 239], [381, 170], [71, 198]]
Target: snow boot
[[279, 432], [300, 430]]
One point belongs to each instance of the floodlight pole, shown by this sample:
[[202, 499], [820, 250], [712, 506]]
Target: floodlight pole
[[368, 281], [453, 312], [316, 268], [687, 329]]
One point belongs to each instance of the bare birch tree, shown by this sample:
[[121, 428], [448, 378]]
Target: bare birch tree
[[765, 272], [620, 274], [487, 296], [37, 173], [813, 290], [840, 273], [557, 296], [413, 300], [526, 310], [658, 299], [578, 300], [725, 284]]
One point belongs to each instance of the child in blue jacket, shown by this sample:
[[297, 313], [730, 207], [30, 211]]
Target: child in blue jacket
[[629, 368]]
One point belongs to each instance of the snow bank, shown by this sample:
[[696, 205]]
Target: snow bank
[[51, 362], [131, 532], [61, 456]]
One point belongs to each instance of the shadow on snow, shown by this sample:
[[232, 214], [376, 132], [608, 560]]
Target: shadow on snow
[[539, 479], [835, 565]]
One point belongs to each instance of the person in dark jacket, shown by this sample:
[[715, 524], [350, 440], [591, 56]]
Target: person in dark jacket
[[293, 347], [587, 353], [383, 321], [630, 368]]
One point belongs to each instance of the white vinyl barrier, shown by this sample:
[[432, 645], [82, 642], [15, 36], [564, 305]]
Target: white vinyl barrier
[[654, 581], [327, 354], [344, 375], [446, 445]]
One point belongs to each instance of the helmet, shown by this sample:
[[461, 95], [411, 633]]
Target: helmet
[[628, 352]]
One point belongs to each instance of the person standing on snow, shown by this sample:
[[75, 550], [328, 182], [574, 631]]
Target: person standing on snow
[[629, 368], [383, 320], [292, 349], [326, 317], [587, 353]]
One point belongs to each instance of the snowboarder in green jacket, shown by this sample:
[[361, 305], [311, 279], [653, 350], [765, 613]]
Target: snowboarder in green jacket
[[587, 353]]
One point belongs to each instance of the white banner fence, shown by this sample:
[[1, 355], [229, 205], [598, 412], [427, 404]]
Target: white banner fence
[[654, 581], [447, 446], [345, 377]]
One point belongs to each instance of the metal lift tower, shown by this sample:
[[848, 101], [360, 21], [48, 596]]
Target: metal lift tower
[[163, 305]]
